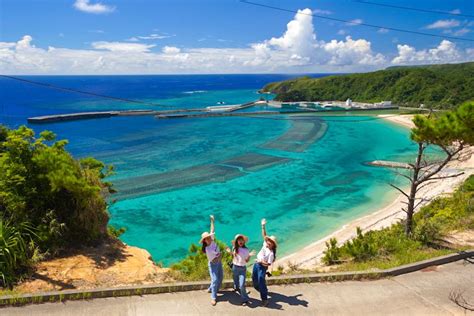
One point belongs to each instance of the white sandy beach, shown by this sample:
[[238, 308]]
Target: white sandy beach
[[310, 256]]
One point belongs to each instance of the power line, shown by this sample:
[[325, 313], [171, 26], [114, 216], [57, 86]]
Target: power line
[[413, 9], [357, 23], [55, 87]]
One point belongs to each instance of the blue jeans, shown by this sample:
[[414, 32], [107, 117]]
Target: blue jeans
[[240, 274], [216, 273], [258, 279]]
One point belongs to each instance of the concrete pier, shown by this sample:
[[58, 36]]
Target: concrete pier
[[389, 164]]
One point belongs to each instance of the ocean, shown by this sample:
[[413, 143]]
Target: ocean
[[306, 175]]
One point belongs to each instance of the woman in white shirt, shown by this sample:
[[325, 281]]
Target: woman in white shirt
[[240, 257], [213, 253], [265, 259]]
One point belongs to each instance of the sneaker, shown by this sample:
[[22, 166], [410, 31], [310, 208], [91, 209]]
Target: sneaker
[[265, 303], [213, 302], [246, 303]]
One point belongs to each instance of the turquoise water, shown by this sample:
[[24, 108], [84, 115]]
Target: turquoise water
[[314, 193], [306, 187]]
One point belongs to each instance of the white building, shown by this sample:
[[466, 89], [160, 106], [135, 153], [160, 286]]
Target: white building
[[349, 103]]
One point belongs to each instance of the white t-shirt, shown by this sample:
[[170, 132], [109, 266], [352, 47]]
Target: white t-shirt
[[240, 258], [265, 254], [212, 251]]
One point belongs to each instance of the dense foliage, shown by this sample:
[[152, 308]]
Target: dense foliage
[[442, 86], [48, 199], [390, 246], [195, 265]]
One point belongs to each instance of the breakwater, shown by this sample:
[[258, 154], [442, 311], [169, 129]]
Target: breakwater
[[304, 132]]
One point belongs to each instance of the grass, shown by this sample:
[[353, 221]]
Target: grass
[[394, 261], [390, 247]]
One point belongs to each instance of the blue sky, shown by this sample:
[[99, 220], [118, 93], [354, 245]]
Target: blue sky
[[184, 36]]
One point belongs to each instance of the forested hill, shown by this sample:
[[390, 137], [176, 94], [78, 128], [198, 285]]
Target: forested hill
[[442, 86]]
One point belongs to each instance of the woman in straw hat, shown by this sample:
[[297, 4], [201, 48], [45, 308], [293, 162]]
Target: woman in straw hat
[[211, 249], [265, 258], [240, 258]]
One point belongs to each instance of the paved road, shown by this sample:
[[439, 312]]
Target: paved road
[[420, 293]]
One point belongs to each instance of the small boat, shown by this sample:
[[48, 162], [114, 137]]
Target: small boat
[[221, 102]]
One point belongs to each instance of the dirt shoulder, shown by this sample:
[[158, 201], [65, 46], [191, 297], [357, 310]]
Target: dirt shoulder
[[110, 264]]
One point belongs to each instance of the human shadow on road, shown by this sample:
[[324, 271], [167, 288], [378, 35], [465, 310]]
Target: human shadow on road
[[292, 300], [234, 298], [275, 302]]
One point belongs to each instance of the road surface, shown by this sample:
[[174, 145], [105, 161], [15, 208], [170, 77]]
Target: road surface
[[420, 293]]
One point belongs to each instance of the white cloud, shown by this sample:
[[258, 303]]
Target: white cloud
[[322, 12], [443, 24], [153, 36], [171, 50], [445, 52], [299, 37], [351, 52], [5, 45], [461, 32], [96, 8], [382, 31], [355, 22], [455, 11], [298, 49], [122, 47], [342, 32], [298, 46]]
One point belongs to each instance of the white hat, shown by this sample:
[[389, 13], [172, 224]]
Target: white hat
[[205, 235], [273, 239], [245, 238]]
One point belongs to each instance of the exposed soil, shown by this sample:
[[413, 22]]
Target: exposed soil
[[110, 264]]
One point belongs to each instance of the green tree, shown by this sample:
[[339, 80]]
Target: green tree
[[48, 199], [451, 131]]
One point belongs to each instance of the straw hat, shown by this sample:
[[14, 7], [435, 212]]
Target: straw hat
[[272, 239], [205, 235], [246, 239]]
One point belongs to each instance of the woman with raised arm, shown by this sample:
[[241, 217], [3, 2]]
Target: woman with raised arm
[[240, 258], [211, 249], [265, 258]]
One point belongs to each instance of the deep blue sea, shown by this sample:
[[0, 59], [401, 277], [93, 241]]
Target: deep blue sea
[[306, 175]]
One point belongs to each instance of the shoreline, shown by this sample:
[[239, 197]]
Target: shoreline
[[310, 255]]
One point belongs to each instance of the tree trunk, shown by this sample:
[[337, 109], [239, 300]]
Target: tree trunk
[[413, 188], [410, 210]]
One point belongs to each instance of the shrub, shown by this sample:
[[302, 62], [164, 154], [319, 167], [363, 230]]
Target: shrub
[[16, 250], [48, 199], [195, 266], [115, 232], [332, 254], [427, 232], [362, 247], [390, 245], [41, 183]]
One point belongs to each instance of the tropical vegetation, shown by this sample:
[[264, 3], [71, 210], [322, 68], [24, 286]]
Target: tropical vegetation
[[391, 247], [195, 265], [48, 200], [438, 86]]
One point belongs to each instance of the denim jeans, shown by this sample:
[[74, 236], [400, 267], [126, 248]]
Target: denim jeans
[[240, 274], [258, 279], [216, 273]]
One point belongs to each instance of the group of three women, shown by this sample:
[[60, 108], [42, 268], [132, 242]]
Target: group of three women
[[240, 257]]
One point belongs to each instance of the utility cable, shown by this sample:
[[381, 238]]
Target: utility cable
[[413, 9], [55, 87], [359, 23]]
